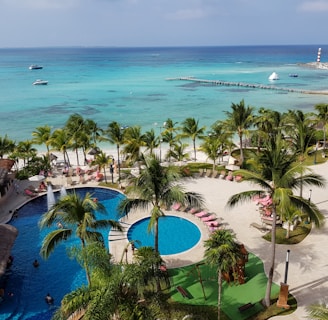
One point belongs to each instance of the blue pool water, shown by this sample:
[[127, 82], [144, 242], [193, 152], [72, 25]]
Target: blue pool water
[[58, 275], [175, 234]]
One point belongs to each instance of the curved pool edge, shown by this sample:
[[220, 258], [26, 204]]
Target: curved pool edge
[[185, 258]]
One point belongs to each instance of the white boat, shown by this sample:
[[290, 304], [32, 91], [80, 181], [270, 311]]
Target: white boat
[[34, 67], [274, 76], [40, 82]]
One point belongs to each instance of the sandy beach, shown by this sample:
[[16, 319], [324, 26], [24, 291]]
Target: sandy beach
[[308, 267]]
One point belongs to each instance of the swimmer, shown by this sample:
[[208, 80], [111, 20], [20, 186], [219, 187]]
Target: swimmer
[[49, 299], [35, 263], [59, 225]]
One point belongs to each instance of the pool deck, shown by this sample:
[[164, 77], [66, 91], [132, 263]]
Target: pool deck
[[308, 265]]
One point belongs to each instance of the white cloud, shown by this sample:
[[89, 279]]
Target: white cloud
[[314, 6]]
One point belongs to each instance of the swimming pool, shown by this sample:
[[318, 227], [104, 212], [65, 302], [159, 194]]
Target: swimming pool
[[29, 285], [175, 234]]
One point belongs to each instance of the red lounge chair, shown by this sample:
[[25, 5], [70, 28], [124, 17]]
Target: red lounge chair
[[201, 214], [176, 206], [212, 217], [212, 223], [30, 193]]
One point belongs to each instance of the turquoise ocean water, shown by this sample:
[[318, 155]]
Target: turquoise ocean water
[[129, 85]]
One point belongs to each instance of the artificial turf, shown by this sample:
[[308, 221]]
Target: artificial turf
[[233, 296]]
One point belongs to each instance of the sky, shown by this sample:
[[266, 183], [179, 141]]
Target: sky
[[149, 23]]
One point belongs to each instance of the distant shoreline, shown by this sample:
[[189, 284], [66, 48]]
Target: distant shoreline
[[316, 65]]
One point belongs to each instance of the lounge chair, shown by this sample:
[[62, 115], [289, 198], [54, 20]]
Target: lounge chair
[[215, 174], [208, 173], [183, 292], [193, 210], [201, 173], [212, 217], [176, 206], [212, 223], [30, 193], [201, 214]]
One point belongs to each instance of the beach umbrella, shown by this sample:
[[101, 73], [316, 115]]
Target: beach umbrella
[[38, 177], [93, 151], [53, 157]]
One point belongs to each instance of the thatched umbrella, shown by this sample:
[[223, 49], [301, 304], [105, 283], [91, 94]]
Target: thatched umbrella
[[8, 235]]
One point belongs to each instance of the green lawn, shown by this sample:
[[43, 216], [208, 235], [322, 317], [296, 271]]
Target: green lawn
[[233, 295]]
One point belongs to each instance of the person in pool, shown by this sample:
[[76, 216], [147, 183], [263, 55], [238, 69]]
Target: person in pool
[[49, 299]]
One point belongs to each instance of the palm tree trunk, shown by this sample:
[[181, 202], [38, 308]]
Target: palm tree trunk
[[241, 149], [194, 144], [267, 298], [118, 162], [219, 293]]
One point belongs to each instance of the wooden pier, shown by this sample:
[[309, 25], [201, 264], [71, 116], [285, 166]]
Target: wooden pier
[[248, 85]]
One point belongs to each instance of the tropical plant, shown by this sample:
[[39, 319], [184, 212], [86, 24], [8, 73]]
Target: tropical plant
[[151, 141], [169, 134], [102, 160], [191, 129], [75, 130], [210, 147], [60, 141], [133, 140], [277, 173], [24, 150], [318, 311], [222, 252], [115, 134], [77, 216], [6, 146], [300, 131], [178, 152], [322, 119], [115, 293], [157, 187], [240, 119], [42, 135]]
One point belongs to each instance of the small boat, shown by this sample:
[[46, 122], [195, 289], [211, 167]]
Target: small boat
[[40, 82], [293, 75], [274, 76], [34, 67]]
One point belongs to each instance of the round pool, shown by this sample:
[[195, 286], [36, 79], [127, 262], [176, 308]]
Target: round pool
[[175, 234]]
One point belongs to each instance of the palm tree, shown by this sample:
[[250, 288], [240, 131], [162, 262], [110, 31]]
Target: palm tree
[[60, 141], [77, 215], [114, 293], [134, 140], [277, 174], [169, 134], [267, 122], [42, 135], [152, 142], [25, 150], [6, 146], [222, 252], [75, 128], [102, 160], [178, 152], [299, 128], [240, 120], [210, 147], [322, 118], [191, 129], [115, 134], [156, 188]]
